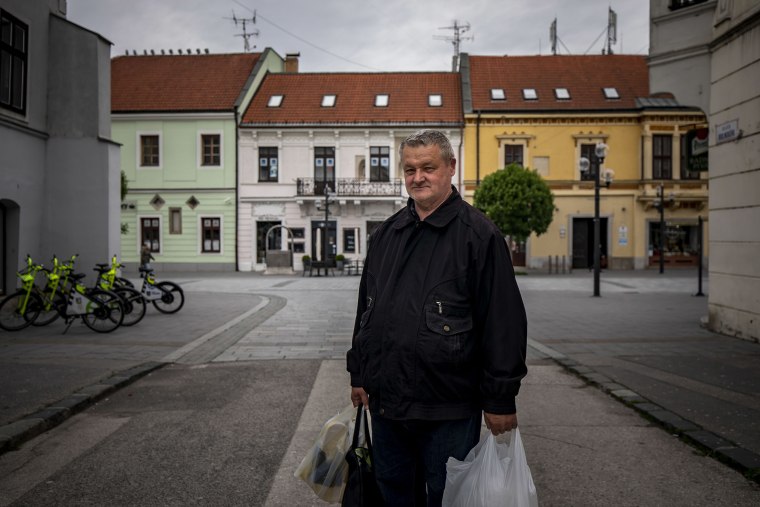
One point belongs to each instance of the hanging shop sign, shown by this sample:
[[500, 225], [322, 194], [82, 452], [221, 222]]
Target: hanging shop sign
[[697, 141]]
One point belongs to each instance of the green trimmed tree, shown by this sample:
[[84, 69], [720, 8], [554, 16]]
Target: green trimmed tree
[[517, 200]]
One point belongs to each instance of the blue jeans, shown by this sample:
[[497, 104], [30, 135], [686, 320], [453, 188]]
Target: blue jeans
[[410, 457]]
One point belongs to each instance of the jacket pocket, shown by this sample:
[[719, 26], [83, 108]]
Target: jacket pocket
[[450, 327]]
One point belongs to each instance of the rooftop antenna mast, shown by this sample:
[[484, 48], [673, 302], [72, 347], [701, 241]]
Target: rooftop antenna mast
[[455, 39], [553, 36], [611, 30], [246, 35]]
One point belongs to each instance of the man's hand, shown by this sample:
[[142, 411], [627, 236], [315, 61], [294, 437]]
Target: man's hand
[[499, 423], [359, 396]]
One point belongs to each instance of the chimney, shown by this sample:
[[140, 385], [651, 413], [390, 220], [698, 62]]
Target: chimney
[[291, 62]]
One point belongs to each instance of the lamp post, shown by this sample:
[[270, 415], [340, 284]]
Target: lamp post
[[585, 165], [327, 218], [660, 204]]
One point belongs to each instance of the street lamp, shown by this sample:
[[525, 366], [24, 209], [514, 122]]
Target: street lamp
[[660, 205], [327, 218], [600, 152]]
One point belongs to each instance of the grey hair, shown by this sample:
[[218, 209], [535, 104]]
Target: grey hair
[[428, 138]]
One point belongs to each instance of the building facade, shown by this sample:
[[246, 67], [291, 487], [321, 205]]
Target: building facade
[[546, 113], [59, 171], [307, 135], [176, 117], [724, 36]]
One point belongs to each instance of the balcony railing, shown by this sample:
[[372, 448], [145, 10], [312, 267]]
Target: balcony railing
[[350, 187]]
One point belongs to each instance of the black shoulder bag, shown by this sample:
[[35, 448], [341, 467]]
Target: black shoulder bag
[[361, 488]]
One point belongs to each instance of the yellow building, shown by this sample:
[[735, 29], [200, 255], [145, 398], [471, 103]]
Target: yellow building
[[547, 112]]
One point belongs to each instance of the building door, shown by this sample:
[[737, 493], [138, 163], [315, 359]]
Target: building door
[[10, 218], [324, 169], [317, 240], [275, 240], [583, 242]]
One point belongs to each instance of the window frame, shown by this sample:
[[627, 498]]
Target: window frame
[[14, 53], [141, 235], [201, 149], [667, 142], [202, 238], [512, 147], [268, 151], [590, 154], [275, 100], [146, 133], [376, 170]]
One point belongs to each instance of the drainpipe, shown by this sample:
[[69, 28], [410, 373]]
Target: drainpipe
[[461, 165], [237, 183], [477, 152]]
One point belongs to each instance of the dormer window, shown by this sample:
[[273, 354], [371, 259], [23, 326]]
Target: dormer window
[[611, 93], [328, 101], [275, 101], [435, 100], [562, 93], [498, 94], [381, 100], [530, 94]]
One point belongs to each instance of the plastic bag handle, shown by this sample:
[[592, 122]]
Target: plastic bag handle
[[357, 428]]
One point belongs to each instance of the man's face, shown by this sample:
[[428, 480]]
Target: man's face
[[427, 176]]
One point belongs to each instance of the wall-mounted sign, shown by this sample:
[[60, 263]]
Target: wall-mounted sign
[[623, 235], [726, 132], [697, 141]]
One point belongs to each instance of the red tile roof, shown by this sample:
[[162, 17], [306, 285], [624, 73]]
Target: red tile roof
[[177, 83], [583, 76], [355, 98]]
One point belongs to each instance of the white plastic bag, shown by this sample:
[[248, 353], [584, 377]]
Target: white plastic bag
[[324, 468], [492, 475]]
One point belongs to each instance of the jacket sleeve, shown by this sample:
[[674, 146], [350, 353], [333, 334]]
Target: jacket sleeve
[[503, 327], [353, 363]]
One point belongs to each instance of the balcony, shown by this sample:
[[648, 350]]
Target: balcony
[[350, 187]]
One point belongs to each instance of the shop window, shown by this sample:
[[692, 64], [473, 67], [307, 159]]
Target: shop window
[[150, 233], [211, 234]]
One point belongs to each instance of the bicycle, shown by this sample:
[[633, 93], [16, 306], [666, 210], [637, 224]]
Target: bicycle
[[133, 300], [53, 294], [21, 308], [167, 297]]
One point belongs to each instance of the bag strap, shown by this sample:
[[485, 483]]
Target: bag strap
[[361, 417]]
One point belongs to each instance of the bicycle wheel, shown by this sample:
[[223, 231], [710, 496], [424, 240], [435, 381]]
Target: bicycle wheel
[[48, 315], [105, 312], [172, 298], [11, 316], [134, 305]]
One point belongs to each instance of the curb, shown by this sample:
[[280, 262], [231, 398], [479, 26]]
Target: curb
[[14, 434], [725, 451]]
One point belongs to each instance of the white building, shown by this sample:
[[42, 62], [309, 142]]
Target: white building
[[59, 172], [707, 53], [305, 132]]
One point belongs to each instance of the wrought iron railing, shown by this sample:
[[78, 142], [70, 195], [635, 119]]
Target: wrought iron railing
[[349, 187]]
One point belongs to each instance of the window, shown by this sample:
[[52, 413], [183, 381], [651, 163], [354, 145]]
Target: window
[[513, 154], [530, 94], [662, 160], [589, 151], [211, 150], [562, 93], [611, 93], [686, 173], [498, 94], [299, 234], [680, 4], [268, 164], [275, 101], [381, 100], [328, 101], [379, 163], [211, 232], [150, 154], [14, 38], [435, 100], [349, 240], [175, 220], [150, 233]]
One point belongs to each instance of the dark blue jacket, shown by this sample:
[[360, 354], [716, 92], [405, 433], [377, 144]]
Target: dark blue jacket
[[440, 328]]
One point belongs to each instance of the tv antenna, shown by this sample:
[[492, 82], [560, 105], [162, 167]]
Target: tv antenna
[[456, 39], [246, 35]]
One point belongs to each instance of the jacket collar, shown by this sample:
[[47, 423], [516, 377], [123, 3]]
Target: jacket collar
[[439, 218]]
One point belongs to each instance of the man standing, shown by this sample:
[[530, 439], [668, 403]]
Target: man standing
[[440, 332]]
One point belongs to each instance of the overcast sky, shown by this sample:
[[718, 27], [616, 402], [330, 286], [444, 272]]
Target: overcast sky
[[366, 35]]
